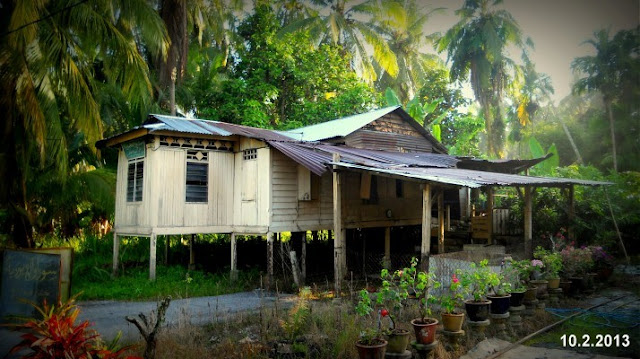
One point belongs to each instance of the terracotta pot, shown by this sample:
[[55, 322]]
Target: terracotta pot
[[499, 304], [375, 351], [578, 285], [604, 273], [516, 298], [554, 283], [452, 322], [477, 311], [530, 294], [425, 332], [398, 341]]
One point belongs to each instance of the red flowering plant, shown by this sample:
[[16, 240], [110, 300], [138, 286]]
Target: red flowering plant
[[392, 294], [56, 335], [452, 298], [364, 308]]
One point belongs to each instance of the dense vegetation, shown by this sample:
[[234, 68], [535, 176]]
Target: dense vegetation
[[74, 72]]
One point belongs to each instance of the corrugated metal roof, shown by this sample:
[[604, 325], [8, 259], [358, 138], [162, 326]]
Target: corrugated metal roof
[[469, 178], [338, 128], [206, 127]]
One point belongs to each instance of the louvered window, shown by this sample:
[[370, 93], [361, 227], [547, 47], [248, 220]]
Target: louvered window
[[135, 175], [197, 177]]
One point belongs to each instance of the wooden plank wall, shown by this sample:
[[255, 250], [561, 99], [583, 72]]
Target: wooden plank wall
[[389, 133], [290, 214], [130, 213], [252, 192]]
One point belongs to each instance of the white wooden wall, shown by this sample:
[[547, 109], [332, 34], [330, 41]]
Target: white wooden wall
[[131, 214], [290, 214], [251, 192]]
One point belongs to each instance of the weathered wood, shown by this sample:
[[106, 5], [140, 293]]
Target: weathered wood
[[337, 230], [303, 258], [149, 327], [269, 258], [294, 269], [304, 184], [425, 245], [234, 258], [387, 248], [152, 256], [448, 218], [116, 253], [440, 221], [365, 185], [528, 222], [192, 254], [490, 213]]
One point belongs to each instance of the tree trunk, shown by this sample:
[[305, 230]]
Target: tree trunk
[[607, 104], [149, 328]]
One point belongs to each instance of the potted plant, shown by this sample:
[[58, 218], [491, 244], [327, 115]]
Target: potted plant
[[577, 262], [515, 273], [603, 262], [392, 295], [450, 302], [500, 297], [541, 284], [477, 280], [371, 344], [419, 283], [552, 264]]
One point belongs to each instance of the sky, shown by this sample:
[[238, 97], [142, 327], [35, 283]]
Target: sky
[[558, 29]]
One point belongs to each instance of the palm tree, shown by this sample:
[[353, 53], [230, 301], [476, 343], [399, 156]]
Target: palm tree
[[608, 70], [342, 27], [530, 88], [476, 49], [403, 23], [52, 55]]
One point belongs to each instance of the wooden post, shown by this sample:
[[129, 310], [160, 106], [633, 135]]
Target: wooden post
[[448, 219], [425, 245], [116, 253], [528, 222], [269, 259], [167, 239], [294, 268], [338, 257], [572, 214], [303, 258], [490, 213], [440, 221], [234, 258], [387, 248], [153, 239], [192, 255]]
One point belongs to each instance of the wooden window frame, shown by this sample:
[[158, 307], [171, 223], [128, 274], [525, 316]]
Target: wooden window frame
[[135, 187], [194, 183]]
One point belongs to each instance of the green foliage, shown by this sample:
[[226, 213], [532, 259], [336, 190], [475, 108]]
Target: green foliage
[[452, 298], [552, 261], [478, 279], [298, 318], [283, 81], [548, 166], [419, 283]]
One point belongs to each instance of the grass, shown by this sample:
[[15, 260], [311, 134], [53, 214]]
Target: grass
[[91, 277], [176, 281]]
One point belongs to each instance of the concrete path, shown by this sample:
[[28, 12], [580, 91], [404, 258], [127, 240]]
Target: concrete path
[[492, 345], [108, 317]]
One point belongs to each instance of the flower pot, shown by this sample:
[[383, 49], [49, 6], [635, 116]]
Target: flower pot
[[499, 303], [516, 298], [554, 283], [452, 322], [477, 311], [566, 286], [530, 294], [374, 351], [425, 332], [398, 341], [542, 287]]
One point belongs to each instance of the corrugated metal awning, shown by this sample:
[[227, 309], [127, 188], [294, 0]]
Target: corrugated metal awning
[[469, 178]]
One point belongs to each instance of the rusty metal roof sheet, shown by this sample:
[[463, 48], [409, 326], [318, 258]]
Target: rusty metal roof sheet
[[206, 127]]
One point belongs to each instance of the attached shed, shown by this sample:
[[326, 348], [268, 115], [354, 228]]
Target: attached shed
[[379, 169]]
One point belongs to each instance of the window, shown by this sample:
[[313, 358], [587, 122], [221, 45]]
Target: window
[[250, 154], [197, 177], [399, 189], [135, 175]]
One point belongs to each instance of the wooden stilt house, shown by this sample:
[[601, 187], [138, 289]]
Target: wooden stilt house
[[377, 169]]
